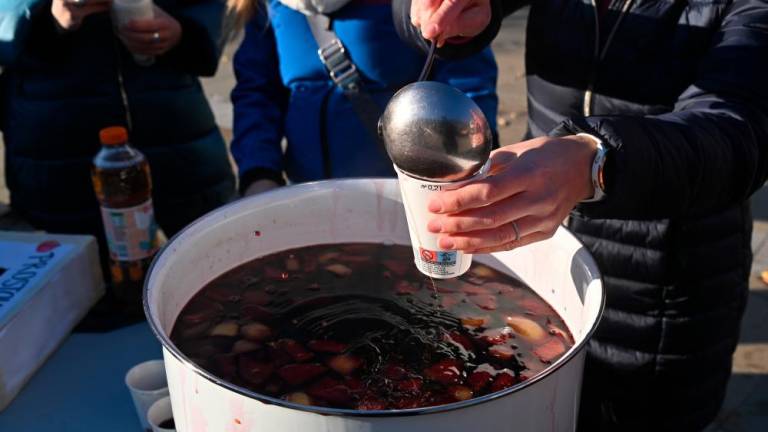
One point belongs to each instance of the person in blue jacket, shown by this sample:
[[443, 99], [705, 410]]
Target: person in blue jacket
[[67, 73], [284, 91]]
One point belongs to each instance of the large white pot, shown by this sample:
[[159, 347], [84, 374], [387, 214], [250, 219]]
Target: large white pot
[[364, 210]]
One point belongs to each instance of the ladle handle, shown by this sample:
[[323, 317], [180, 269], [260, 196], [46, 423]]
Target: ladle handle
[[428, 65]]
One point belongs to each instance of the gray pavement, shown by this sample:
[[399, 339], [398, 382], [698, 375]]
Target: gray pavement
[[746, 405]]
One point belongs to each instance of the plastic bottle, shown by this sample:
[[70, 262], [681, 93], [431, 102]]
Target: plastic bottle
[[123, 186]]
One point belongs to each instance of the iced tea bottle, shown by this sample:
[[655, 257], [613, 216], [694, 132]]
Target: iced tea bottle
[[123, 187]]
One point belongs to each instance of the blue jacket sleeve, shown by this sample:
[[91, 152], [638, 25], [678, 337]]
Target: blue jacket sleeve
[[203, 36], [711, 151], [260, 102], [15, 21]]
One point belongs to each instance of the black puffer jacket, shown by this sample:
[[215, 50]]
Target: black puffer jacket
[[679, 90], [58, 89]]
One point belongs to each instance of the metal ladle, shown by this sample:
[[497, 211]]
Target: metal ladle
[[428, 64], [435, 132]]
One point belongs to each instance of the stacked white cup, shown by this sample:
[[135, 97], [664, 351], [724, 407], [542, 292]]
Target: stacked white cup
[[148, 384]]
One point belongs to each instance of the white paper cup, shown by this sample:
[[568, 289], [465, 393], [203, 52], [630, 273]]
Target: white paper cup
[[124, 11], [159, 412], [147, 383], [429, 258]]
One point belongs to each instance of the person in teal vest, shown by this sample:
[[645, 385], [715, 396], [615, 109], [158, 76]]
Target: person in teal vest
[[67, 73]]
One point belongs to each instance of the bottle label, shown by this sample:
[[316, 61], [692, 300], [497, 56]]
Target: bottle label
[[131, 231]]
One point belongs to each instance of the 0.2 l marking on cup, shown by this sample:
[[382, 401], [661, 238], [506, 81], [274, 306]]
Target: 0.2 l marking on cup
[[432, 187]]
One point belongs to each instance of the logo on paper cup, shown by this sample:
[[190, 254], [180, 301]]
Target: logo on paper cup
[[428, 255], [438, 257], [47, 246]]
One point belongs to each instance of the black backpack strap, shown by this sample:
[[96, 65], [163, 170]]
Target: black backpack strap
[[344, 74]]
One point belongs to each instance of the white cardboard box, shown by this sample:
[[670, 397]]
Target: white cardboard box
[[48, 282]]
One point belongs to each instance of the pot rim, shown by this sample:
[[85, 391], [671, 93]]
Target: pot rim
[[171, 348]]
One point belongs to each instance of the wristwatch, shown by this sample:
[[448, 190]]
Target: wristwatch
[[598, 169]]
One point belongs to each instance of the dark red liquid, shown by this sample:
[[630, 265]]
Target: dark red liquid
[[357, 326]]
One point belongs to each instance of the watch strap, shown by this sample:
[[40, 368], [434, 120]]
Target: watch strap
[[597, 169]]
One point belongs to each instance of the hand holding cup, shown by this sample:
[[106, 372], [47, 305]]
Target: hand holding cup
[[531, 188], [151, 37]]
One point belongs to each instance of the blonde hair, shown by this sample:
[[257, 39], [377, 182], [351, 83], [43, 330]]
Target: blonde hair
[[241, 10]]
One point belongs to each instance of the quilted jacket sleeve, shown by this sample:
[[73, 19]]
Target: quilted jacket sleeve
[[15, 21], [260, 102], [711, 151], [203, 36]]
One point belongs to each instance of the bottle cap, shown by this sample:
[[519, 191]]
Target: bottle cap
[[114, 135]]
